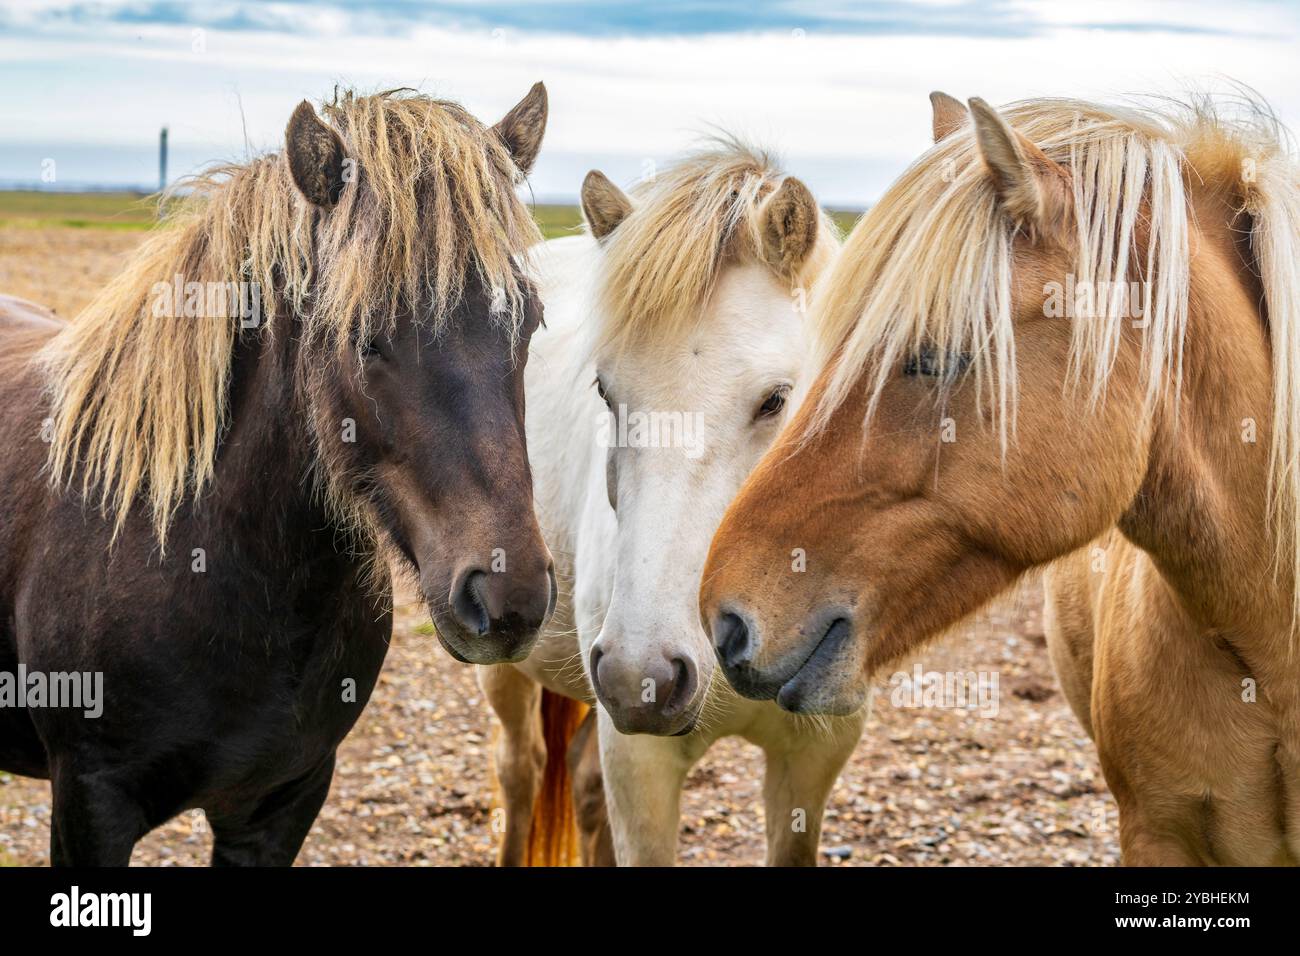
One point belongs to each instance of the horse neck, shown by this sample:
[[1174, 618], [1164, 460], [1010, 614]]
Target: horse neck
[[266, 454], [1202, 510]]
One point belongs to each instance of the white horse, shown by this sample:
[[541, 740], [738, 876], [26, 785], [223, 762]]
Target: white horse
[[674, 349]]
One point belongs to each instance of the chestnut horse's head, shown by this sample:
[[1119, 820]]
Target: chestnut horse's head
[[1004, 343]]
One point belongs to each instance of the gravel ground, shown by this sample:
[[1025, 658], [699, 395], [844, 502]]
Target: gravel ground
[[926, 786]]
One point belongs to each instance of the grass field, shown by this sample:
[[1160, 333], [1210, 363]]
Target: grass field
[[134, 211], [77, 210]]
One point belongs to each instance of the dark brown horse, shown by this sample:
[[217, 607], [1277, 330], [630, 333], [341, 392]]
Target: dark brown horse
[[316, 364]]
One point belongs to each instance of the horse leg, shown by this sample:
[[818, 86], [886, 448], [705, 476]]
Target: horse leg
[[520, 754], [94, 822], [588, 783], [1143, 845], [1069, 588], [801, 770], [273, 833], [643, 788]]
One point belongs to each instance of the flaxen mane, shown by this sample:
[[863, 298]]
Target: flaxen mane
[[662, 263], [930, 265], [138, 391]]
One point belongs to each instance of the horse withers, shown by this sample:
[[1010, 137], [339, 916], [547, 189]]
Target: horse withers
[[1070, 334], [313, 367]]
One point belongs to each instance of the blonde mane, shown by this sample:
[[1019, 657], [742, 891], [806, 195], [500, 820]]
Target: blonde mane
[[662, 263], [929, 266], [139, 399]]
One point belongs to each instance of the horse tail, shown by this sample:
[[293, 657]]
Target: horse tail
[[553, 833]]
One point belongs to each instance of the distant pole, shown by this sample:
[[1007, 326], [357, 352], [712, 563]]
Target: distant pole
[[162, 159]]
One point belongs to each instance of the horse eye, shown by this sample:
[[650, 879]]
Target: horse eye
[[600, 390], [773, 403], [930, 362]]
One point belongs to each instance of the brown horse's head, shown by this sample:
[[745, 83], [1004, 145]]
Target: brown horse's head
[[414, 350], [978, 414], [363, 294]]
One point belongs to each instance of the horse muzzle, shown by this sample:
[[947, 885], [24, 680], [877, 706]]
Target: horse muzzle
[[819, 674], [659, 693], [493, 617]]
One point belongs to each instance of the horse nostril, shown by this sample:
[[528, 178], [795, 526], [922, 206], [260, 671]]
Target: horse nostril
[[467, 603], [593, 668], [731, 640], [681, 688], [554, 596]]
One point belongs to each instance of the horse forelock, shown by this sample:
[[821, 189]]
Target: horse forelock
[[659, 268], [138, 394]]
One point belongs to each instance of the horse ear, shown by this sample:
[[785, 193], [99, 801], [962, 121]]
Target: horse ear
[[789, 222], [521, 129], [316, 156], [604, 205], [949, 114], [1033, 190]]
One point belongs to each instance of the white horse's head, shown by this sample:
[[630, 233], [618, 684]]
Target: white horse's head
[[700, 355]]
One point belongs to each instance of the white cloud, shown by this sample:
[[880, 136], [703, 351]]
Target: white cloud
[[841, 103]]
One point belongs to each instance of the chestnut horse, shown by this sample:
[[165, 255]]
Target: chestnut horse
[[1065, 327], [681, 306], [314, 364]]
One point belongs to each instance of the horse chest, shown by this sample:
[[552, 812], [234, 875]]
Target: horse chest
[[301, 699], [215, 696]]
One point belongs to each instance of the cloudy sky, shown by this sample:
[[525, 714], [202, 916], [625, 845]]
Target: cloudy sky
[[837, 88]]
